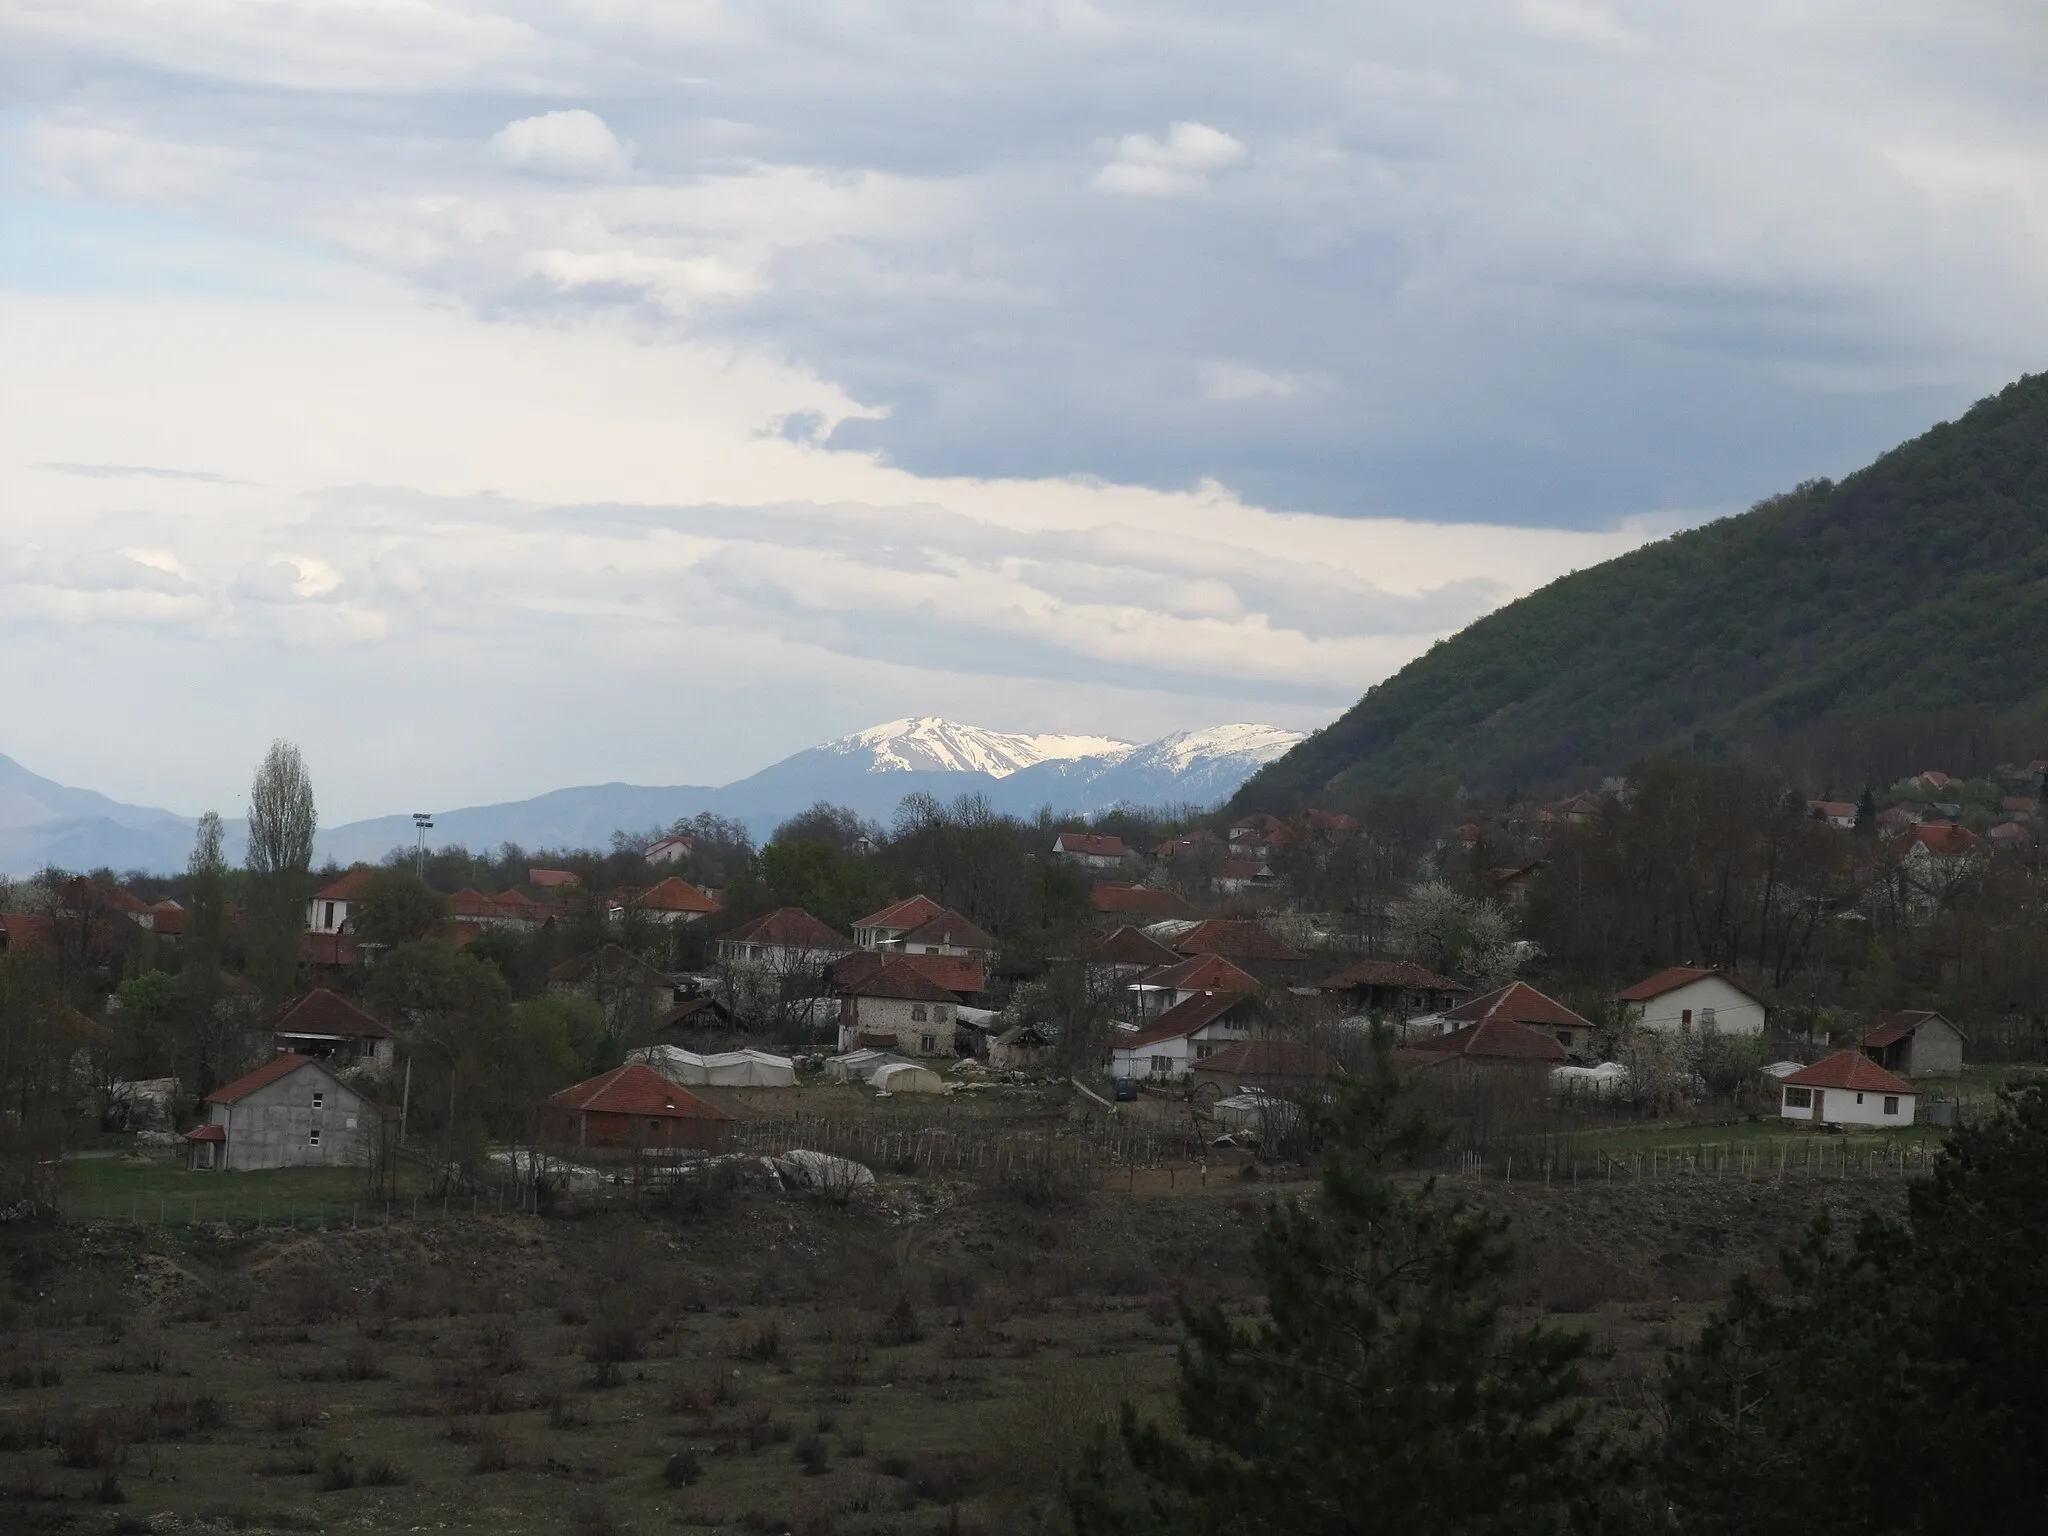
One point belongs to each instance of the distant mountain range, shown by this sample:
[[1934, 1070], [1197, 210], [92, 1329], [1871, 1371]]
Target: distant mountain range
[[1829, 631], [44, 823]]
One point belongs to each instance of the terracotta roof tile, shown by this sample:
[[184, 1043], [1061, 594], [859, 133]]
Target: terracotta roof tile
[[1092, 844], [950, 927], [1239, 938], [1207, 973], [1496, 1039], [1664, 981], [271, 1071], [1897, 1026], [1850, 1071], [1517, 1003], [1268, 1058], [636, 1089], [1184, 1018], [904, 915], [901, 977], [791, 928], [1111, 898], [1129, 946], [1392, 973], [321, 1012], [348, 887], [675, 894]]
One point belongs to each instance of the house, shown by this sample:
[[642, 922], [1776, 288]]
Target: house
[[1171, 1044], [1090, 850], [1123, 953], [1171, 985], [961, 975], [1689, 997], [1518, 1004], [1285, 1067], [471, 907], [1114, 899], [1237, 939], [786, 942], [1894, 819], [1495, 1041], [327, 911], [674, 901], [628, 992], [337, 951], [2009, 834], [1237, 875], [169, 919], [894, 921], [291, 1112], [1930, 780], [670, 850], [1836, 813], [1395, 989], [552, 879], [319, 1025], [1939, 840], [633, 1106], [2019, 807], [1848, 1088], [946, 934], [518, 908], [898, 1006], [1512, 883], [1917, 1043], [694, 1015]]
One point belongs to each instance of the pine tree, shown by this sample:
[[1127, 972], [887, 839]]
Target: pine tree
[[1866, 811], [1380, 1392]]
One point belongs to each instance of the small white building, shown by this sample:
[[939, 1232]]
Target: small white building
[[1090, 850], [1848, 1088], [670, 850], [328, 911], [1687, 997]]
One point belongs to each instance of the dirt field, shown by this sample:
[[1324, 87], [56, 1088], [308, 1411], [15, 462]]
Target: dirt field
[[922, 1362]]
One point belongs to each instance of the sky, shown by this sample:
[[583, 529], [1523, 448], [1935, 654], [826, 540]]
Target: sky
[[492, 397]]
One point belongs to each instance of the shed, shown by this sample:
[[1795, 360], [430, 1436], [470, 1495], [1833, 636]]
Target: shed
[[1021, 1048], [632, 1106], [1848, 1088], [1917, 1043], [907, 1077], [858, 1066]]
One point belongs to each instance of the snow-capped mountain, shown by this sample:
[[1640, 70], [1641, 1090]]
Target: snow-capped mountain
[[929, 743], [871, 771]]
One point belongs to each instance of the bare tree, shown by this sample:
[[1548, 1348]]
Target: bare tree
[[282, 821]]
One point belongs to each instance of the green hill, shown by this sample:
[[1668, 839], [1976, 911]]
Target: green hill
[[1912, 589]]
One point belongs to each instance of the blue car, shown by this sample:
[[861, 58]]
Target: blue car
[[1126, 1089]]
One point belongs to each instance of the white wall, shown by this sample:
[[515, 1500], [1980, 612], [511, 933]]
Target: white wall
[[1839, 1107], [1735, 1012]]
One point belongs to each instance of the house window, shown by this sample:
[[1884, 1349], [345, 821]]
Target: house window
[[1202, 1049], [1891, 1103], [653, 1125], [939, 1014], [1685, 1019], [313, 1137], [917, 1013], [1799, 1098], [929, 1044], [1706, 1018], [1859, 1098], [319, 1101], [1161, 1065], [330, 916]]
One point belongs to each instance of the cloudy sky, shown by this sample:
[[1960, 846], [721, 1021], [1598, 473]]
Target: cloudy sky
[[499, 396]]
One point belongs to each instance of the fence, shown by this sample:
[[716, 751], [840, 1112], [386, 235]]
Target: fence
[[1572, 1160]]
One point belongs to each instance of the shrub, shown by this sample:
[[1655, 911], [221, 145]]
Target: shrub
[[493, 1452], [899, 1326], [108, 1490], [681, 1469], [85, 1443], [340, 1473], [383, 1472], [589, 1516], [811, 1454]]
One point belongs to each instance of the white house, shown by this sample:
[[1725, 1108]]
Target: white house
[[1689, 998], [673, 902], [670, 850], [880, 929], [1171, 1044], [328, 911], [1848, 1089], [1089, 850], [786, 942]]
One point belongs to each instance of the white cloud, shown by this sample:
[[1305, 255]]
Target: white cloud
[[1578, 21], [1180, 163], [572, 143], [1241, 381]]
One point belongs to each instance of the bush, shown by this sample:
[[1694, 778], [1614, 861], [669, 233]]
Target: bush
[[493, 1452], [899, 1326], [811, 1454], [383, 1473], [681, 1469], [588, 1516], [340, 1473]]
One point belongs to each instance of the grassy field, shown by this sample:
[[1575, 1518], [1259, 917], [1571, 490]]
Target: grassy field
[[164, 1190]]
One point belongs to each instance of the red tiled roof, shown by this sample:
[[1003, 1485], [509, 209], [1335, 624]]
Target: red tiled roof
[[271, 1071], [471, 905], [956, 973], [1517, 1003], [904, 915], [2008, 832], [1242, 869], [636, 1089], [612, 957], [1899, 1025], [1664, 981], [329, 949], [1095, 845], [1110, 897], [1851, 1071], [2014, 805], [349, 887], [321, 1012], [1941, 837], [951, 928], [675, 894], [1268, 1058], [1392, 973], [1184, 1018], [1239, 938], [170, 918], [26, 931], [516, 899], [900, 977], [207, 1133], [1129, 946], [548, 879], [1499, 1039], [790, 927], [1205, 973]]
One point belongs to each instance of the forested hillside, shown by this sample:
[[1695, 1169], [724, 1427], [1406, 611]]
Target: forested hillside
[[1847, 626]]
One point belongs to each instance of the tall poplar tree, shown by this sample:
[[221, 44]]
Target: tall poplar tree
[[282, 821]]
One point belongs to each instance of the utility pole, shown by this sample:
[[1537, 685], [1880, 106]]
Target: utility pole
[[422, 824]]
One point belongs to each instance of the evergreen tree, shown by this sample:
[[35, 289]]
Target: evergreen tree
[[1902, 1384], [1866, 811], [1380, 1392]]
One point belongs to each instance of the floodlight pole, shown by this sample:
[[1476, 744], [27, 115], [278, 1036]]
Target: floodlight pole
[[421, 825]]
